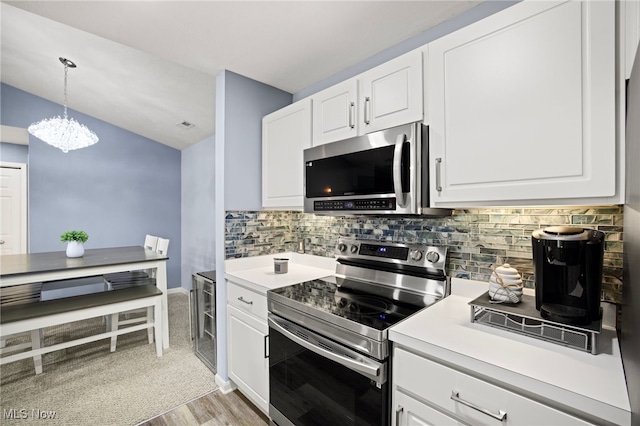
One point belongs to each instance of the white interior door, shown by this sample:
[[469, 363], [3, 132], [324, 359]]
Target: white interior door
[[13, 208]]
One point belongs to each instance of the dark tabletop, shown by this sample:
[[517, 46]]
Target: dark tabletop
[[19, 264]]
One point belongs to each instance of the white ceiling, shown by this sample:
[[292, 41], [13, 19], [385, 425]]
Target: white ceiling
[[147, 65]]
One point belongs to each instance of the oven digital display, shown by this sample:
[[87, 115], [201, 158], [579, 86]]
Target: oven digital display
[[387, 252]]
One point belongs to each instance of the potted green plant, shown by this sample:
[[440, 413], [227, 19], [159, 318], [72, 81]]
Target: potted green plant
[[75, 241]]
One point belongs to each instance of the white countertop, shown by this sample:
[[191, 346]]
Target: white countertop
[[594, 384], [256, 273]]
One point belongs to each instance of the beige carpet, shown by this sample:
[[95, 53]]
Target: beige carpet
[[88, 385]]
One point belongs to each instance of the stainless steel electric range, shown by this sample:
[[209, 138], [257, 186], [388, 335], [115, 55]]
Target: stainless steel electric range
[[328, 338]]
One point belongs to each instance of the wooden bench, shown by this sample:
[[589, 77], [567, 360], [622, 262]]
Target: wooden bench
[[32, 317]]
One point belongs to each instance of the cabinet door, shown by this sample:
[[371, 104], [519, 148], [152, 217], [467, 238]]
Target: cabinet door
[[522, 106], [285, 134], [334, 113], [247, 356], [468, 398], [391, 94], [411, 412]]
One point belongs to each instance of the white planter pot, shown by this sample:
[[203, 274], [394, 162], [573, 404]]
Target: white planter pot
[[74, 249]]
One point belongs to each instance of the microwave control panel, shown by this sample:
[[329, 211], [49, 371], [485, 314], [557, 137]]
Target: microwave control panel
[[357, 204]]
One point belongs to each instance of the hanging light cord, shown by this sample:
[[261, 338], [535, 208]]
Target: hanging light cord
[[67, 63], [66, 72]]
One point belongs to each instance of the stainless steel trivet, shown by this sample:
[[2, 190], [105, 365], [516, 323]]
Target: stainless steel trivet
[[523, 318]]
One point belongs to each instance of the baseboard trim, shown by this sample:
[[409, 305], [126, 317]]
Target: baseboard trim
[[178, 290], [225, 386]]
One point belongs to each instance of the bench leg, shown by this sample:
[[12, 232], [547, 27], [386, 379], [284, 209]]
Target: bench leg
[[114, 326], [36, 343], [150, 319], [157, 326]]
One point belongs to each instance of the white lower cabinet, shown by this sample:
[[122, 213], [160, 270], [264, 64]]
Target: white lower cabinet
[[427, 392], [247, 344]]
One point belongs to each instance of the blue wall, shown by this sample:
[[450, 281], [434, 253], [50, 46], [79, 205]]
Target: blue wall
[[246, 102], [119, 190], [14, 153], [240, 105], [198, 209]]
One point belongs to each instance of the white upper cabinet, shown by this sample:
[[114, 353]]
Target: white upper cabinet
[[334, 113], [391, 93], [285, 134], [386, 96], [522, 107]]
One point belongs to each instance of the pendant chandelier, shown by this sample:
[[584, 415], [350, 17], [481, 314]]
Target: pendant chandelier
[[63, 133]]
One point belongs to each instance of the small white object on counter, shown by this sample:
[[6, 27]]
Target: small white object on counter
[[257, 273], [593, 384], [505, 284]]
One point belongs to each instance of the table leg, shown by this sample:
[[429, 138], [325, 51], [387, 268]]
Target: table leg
[[161, 283]]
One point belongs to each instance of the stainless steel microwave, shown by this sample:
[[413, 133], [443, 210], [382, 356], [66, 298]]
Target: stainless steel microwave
[[385, 172]]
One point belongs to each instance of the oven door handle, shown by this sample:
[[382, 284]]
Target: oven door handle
[[371, 371], [397, 171]]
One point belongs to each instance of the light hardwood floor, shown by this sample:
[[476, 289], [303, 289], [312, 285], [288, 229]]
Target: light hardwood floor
[[213, 409]]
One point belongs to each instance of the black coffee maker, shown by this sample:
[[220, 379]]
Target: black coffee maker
[[567, 268]]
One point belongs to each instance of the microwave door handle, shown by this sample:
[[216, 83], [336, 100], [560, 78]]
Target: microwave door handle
[[397, 171]]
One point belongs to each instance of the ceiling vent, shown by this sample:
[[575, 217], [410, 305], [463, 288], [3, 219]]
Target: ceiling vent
[[185, 125]]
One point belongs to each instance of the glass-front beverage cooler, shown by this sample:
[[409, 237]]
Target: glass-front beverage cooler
[[203, 316]]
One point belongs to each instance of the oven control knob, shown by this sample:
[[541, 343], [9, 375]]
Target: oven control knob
[[342, 247], [433, 256], [416, 255], [354, 249]]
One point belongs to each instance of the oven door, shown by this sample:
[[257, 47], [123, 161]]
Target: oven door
[[315, 381], [376, 173]]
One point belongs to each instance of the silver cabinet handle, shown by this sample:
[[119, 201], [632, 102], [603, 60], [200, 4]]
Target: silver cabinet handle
[[352, 107], [438, 170], [1, 241], [500, 416], [248, 302], [266, 346], [399, 411], [367, 120]]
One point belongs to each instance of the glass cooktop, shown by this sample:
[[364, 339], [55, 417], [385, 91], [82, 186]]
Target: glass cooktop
[[368, 309]]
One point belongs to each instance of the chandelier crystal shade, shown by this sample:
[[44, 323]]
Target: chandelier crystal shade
[[63, 133]]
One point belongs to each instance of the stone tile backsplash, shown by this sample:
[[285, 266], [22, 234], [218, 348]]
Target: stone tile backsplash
[[476, 238]]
